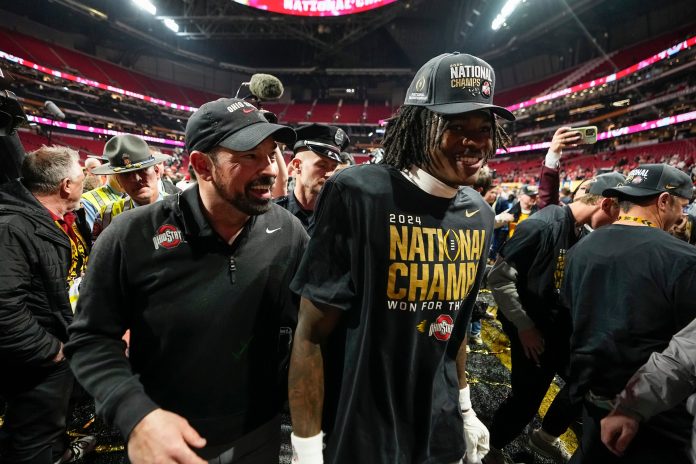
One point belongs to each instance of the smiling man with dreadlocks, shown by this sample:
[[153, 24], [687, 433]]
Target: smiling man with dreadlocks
[[389, 280]]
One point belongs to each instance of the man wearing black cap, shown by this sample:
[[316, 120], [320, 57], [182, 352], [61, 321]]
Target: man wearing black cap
[[630, 287], [389, 281], [201, 280], [317, 154], [518, 212], [525, 283]]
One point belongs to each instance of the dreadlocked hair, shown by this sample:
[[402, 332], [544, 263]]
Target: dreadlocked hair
[[416, 132]]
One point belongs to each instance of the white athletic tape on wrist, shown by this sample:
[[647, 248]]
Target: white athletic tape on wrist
[[464, 399], [308, 450]]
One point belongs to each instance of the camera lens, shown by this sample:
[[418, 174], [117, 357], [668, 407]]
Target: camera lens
[[590, 132]]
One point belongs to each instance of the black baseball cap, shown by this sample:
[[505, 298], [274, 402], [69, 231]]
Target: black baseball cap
[[603, 182], [652, 179], [232, 123], [454, 83], [530, 190], [324, 140]]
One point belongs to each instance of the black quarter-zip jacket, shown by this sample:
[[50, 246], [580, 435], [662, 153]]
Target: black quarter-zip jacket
[[204, 317]]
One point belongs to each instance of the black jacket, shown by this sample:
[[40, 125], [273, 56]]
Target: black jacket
[[516, 210], [537, 251], [34, 303], [204, 317]]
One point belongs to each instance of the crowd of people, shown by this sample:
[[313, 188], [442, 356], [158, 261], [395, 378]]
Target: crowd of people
[[193, 312]]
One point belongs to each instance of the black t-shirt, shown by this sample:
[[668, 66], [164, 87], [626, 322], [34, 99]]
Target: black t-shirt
[[630, 289], [538, 252], [405, 267]]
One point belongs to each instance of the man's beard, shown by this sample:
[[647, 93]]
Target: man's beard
[[244, 202]]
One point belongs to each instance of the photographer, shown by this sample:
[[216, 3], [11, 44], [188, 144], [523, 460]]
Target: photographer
[[11, 116]]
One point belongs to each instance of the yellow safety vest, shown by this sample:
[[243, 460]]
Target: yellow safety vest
[[101, 196], [110, 211], [107, 214]]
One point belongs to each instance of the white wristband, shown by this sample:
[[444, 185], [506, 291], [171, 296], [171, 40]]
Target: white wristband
[[307, 450], [464, 399]]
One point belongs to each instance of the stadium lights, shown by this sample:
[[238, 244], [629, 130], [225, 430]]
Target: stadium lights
[[504, 14], [171, 24], [146, 5]]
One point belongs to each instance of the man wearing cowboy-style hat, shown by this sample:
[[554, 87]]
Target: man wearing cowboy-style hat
[[136, 168], [317, 154]]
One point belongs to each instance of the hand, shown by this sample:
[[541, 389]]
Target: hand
[[476, 437], [59, 356], [164, 437], [564, 137], [505, 217], [532, 342], [618, 430]]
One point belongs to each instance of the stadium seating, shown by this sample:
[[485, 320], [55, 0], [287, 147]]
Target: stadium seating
[[61, 58]]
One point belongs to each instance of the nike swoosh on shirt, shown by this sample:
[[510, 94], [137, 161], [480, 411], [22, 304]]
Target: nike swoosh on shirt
[[248, 110], [468, 214], [270, 231]]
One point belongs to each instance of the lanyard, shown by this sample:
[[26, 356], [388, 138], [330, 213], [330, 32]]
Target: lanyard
[[636, 219]]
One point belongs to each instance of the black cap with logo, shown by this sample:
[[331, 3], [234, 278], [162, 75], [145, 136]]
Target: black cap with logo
[[234, 124], [653, 179], [454, 83], [324, 140], [530, 190]]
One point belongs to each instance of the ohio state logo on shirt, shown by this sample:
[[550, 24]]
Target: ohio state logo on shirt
[[168, 236], [442, 327]]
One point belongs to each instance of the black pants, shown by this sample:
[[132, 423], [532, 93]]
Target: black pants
[[35, 419], [260, 446], [649, 446], [530, 382]]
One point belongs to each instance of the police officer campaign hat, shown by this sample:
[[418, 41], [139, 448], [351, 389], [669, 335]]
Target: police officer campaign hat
[[454, 83], [324, 140], [127, 153], [653, 179], [232, 123]]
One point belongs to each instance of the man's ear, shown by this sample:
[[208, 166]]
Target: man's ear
[[296, 164], [202, 164], [66, 185], [664, 201], [610, 207], [159, 169]]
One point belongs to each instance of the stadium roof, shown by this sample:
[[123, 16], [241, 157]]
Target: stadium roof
[[399, 36]]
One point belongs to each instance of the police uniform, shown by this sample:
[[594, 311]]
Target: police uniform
[[125, 153], [326, 141]]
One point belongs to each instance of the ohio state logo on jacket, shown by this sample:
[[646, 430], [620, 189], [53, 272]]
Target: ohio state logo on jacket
[[168, 236]]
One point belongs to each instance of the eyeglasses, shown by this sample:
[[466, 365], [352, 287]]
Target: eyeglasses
[[323, 149]]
